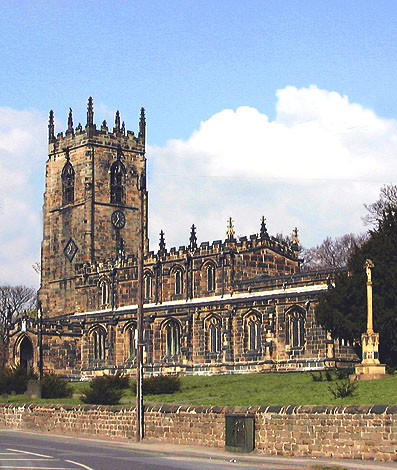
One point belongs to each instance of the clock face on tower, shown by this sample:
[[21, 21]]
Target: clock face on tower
[[118, 219]]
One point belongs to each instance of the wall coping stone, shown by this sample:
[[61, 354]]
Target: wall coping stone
[[201, 409]]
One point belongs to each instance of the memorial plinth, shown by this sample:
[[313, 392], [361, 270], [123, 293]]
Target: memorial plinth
[[370, 368]]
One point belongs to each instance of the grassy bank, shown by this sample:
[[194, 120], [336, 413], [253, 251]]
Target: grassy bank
[[254, 390]]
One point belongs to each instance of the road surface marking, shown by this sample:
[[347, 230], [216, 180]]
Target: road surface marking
[[20, 459], [31, 453], [39, 468], [79, 464]]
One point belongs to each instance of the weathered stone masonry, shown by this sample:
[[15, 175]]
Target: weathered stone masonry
[[366, 432], [232, 306]]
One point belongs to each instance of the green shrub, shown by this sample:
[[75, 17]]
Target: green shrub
[[119, 381], [15, 379], [101, 391], [328, 376], [317, 377], [344, 389], [53, 386], [159, 384], [342, 374]]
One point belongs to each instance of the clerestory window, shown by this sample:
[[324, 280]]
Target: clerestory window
[[211, 277], [178, 281]]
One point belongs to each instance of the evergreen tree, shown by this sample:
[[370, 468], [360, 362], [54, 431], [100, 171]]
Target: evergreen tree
[[343, 308]]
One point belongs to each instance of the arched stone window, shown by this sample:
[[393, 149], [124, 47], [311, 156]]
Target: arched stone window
[[295, 323], [131, 337], [67, 184], [117, 175], [252, 331], [25, 352], [172, 338], [211, 277], [147, 282], [104, 285], [178, 281], [214, 335], [98, 340]]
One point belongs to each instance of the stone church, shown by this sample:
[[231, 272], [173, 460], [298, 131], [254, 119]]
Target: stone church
[[231, 306]]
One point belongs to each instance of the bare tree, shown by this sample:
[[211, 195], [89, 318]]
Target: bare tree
[[332, 252], [387, 199], [14, 300]]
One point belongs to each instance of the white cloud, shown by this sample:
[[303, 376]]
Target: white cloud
[[313, 166], [22, 157]]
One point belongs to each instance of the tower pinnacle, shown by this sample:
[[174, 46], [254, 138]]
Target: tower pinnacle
[[162, 243], [263, 232], [70, 122], [230, 229], [142, 125], [90, 112], [193, 238], [117, 122], [51, 128]]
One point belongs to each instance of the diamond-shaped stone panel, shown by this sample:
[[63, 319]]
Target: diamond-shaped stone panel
[[70, 250]]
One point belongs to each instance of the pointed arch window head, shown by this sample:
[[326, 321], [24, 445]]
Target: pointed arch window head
[[117, 176], [172, 339], [105, 290], [148, 286], [214, 336], [295, 325], [253, 333], [211, 277], [132, 339], [178, 282], [68, 183], [98, 337]]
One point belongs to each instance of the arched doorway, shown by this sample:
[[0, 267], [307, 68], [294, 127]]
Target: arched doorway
[[26, 353]]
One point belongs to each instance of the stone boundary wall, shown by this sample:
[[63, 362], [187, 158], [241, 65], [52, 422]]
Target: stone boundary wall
[[357, 431]]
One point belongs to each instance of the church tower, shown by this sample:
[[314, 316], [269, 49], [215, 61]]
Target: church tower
[[91, 203]]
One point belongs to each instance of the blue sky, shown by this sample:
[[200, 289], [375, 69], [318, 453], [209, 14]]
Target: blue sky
[[326, 68]]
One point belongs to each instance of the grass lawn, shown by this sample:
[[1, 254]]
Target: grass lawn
[[294, 388]]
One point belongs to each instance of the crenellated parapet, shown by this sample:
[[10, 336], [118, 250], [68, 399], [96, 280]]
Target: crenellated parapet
[[219, 247], [205, 249], [104, 136]]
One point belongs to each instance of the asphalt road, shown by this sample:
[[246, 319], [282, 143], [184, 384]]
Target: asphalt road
[[27, 450]]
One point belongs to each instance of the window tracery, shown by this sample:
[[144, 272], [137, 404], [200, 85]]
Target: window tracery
[[295, 329], [98, 339], [68, 184], [214, 335], [172, 338], [253, 326], [117, 174]]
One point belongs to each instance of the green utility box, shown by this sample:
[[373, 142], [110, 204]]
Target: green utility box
[[239, 433]]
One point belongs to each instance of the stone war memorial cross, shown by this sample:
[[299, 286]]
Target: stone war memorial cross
[[370, 368]]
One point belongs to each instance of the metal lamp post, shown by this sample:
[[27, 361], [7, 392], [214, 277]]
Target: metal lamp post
[[139, 356], [40, 338]]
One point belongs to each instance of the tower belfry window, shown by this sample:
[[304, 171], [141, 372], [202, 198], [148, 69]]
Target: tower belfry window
[[117, 172], [68, 183]]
